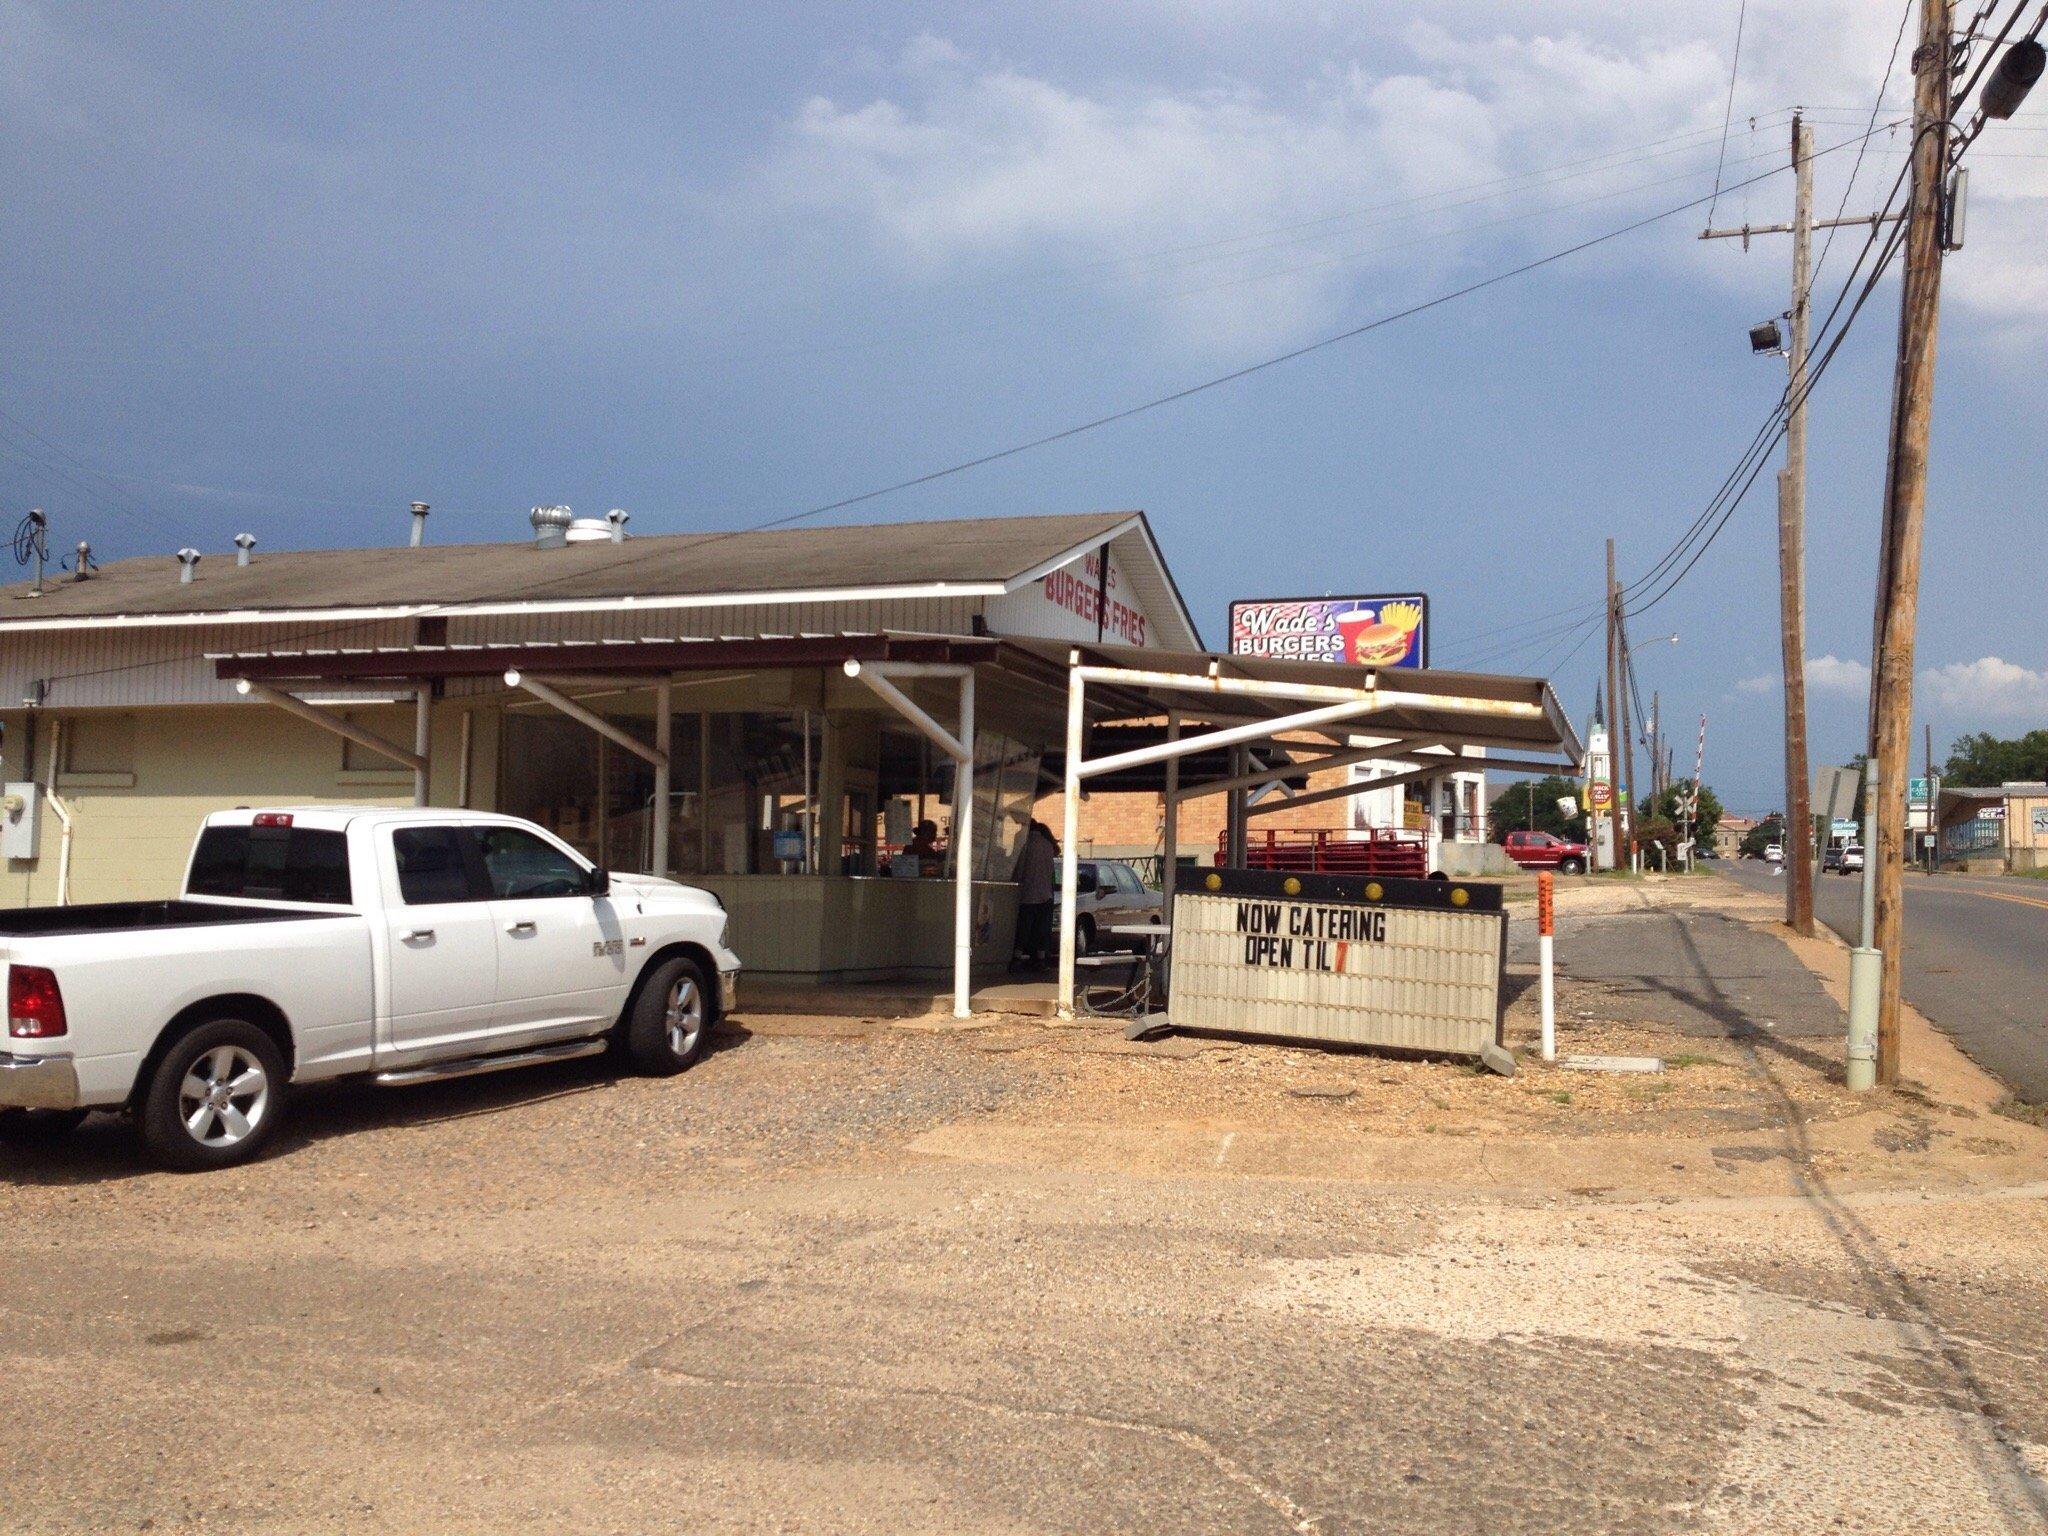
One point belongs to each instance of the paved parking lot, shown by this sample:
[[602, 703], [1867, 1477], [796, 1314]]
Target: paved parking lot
[[847, 1276]]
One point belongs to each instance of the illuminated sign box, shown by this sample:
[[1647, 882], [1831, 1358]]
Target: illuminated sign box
[[1411, 965]]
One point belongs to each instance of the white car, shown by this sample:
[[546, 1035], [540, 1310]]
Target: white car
[[1852, 859], [1774, 853], [1110, 894], [316, 942]]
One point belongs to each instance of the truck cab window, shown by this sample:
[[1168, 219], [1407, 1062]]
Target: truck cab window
[[521, 865], [432, 869], [272, 864]]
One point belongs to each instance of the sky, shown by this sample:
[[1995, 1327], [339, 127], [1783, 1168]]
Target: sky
[[285, 269]]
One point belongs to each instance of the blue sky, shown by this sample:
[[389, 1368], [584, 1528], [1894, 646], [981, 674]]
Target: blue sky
[[287, 268]]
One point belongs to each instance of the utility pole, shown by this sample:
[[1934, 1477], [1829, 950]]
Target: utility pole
[[1626, 795], [1898, 590], [1656, 748], [1792, 528], [1613, 773]]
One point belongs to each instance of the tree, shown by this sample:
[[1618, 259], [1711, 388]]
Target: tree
[[1510, 811], [1670, 806], [1984, 761], [1770, 830]]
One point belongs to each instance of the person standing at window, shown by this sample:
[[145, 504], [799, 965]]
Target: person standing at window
[[1036, 861]]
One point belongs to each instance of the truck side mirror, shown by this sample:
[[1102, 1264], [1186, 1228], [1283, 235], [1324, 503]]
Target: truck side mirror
[[599, 883]]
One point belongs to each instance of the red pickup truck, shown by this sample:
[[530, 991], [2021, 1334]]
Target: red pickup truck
[[1546, 850]]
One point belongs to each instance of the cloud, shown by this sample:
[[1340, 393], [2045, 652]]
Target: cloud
[[1234, 211], [1829, 676], [1989, 688]]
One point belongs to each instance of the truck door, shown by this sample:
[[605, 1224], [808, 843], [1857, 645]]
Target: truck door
[[443, 943], [562, 957]]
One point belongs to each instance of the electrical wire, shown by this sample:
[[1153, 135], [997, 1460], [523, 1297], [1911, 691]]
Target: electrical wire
[[1884, 83], [1728, 112]]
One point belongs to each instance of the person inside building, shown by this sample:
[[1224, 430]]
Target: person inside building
[[921, 853], [1037, 862]]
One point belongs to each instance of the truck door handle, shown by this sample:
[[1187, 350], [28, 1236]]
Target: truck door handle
[[418, 933], [525, 925]]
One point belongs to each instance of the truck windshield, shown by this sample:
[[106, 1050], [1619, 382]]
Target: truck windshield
[[272, 864]]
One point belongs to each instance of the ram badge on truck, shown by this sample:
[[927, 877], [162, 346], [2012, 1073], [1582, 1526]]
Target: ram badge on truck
[[315, 942]]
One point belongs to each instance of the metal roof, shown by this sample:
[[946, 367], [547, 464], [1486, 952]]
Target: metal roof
[[1453, 706], [988, 554]]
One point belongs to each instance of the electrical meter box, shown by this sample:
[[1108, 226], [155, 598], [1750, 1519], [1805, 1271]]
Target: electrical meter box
[[18, 821]]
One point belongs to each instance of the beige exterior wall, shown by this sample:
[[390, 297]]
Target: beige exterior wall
[[132, 832]]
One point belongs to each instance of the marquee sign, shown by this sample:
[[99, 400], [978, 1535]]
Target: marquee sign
[[1384, 631], [1406, 964]]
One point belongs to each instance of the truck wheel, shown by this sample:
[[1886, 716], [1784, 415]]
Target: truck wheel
[[38, 1127], [215, 1098], [670, 1019], [1571, 866]]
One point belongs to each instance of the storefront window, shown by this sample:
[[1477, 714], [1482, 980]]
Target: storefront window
[[757, 772]]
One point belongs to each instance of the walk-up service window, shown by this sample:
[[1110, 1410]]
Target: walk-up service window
[[1407, 964]]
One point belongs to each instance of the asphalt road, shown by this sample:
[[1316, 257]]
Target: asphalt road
[[1976, 951]]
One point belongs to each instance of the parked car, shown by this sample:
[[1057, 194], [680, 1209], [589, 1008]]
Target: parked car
[[1545, 850], [1774, 852], [1852, 859], [1832, 857], [314, 942], [1110, 894]]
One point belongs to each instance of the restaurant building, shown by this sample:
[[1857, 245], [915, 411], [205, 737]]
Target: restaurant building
[[768, 714]]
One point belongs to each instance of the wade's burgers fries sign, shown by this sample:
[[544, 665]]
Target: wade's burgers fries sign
[[1367, 631]]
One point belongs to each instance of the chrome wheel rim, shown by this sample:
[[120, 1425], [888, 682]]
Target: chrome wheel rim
[[224, 1097], [685, 1015]]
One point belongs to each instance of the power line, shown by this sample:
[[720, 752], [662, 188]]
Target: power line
[[1884, 81], [1728, 112]]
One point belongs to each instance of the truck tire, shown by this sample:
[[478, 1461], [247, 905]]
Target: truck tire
[[38, 1127], [215, 1098], [1571, 866], [671, 1018]]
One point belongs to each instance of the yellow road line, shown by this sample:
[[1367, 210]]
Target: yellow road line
[[1963, 890]]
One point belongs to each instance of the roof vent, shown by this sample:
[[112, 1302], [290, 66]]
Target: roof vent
[[551, 526], [244, 542], [618, 517], [188, 562], [419, 524], [84, 567], [589, 530]]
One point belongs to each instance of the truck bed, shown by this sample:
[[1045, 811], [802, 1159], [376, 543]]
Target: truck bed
[[121, 916]]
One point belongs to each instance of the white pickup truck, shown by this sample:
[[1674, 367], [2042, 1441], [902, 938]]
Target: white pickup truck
[[318, 942]]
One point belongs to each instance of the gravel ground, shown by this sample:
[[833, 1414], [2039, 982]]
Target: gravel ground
[[854, 1276]]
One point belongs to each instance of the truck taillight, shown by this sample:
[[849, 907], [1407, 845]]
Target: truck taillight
[[35, 1007], [273, 818]]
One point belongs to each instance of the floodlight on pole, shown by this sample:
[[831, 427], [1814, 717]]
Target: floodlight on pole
[[1766, 340]]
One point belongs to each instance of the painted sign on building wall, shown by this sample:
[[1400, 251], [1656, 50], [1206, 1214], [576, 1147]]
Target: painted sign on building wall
[[1082, 600], [1380, 631]]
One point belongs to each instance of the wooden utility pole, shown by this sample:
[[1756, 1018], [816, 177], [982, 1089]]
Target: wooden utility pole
[[1798, 837], [1625, 794], [1898, 589], [1613, 742], [1656, 747]]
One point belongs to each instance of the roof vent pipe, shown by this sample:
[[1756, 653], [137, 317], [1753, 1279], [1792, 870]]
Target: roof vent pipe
[[618, 517], [188, 562], [551, 526], [84, 566], [419, 524], [244, 542]]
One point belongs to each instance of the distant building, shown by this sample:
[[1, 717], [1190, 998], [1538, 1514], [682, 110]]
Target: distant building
[[1729, 833], [1999, 828]]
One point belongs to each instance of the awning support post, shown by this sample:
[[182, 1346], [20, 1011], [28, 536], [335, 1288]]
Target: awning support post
[[348, 730], [664, 740], [1070, 831], [1169, 831], [422, 740], [961, 750], [589, 717]]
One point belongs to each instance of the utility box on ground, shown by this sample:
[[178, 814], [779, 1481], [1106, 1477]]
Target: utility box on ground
[[1403, 964]]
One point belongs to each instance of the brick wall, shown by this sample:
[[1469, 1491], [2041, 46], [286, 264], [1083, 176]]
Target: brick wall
[[1133, 823]]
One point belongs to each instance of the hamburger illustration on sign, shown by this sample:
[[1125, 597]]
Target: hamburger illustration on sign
[[1376, 631]]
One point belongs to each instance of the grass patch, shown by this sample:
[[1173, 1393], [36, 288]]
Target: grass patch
[[2015, 1108], [1559, 1096], [1691, 1059]]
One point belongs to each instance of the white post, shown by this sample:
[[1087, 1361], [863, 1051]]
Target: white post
[[1866, 963], [422, 733], [1169, 832], [463, 754], [1546, 923], [664, 732], [1070, 832], [963, 854]]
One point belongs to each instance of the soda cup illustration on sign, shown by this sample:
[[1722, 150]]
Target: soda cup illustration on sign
[[1381, 639]]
